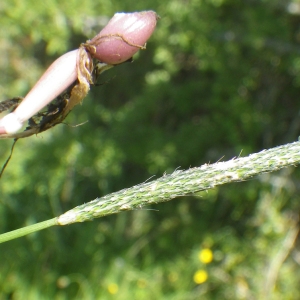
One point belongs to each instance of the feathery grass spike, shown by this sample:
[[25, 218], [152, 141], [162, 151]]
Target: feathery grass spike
[[168, 187]]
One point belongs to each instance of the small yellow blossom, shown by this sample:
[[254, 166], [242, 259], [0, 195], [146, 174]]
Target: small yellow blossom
[[200, 276], [112, 288], [173, 276], [63, 282], [206, 256], [141, 283]]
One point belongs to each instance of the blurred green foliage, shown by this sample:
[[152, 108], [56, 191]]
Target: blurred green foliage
[[218, 77]]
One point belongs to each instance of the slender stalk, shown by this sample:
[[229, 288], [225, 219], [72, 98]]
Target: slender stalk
[[168, 187], [26, 230]]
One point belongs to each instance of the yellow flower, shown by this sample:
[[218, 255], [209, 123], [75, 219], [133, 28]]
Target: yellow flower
[[200, 276], [141, 283], [112, 288], [63, 282], [173, 276], [206, 256]]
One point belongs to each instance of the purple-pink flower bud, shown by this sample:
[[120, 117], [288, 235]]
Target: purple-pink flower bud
[[123, 36]]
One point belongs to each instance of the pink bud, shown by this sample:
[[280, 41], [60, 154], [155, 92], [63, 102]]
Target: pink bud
[[61, 74], [123, 36]]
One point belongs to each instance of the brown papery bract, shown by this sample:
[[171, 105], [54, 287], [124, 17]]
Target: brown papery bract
[[123, 36]]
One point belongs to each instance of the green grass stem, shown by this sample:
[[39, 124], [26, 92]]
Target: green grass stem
[[26, 230], [168, 187]]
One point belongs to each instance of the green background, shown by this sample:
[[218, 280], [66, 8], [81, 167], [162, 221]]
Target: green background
[[219, 79]]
